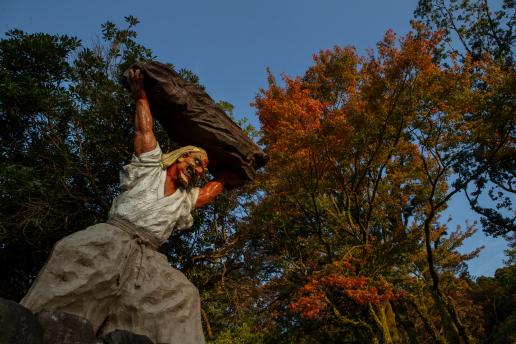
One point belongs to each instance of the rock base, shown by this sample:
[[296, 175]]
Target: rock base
[[19, 326]]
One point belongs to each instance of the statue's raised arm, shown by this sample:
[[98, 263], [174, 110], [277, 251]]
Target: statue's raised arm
[[144, 139], [191, 117]]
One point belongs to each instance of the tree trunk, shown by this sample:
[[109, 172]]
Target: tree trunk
[[391, 323], [402, 317], [446, 308], [423, 314], [381, 321]]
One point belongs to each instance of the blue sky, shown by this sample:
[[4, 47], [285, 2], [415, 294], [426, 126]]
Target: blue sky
[[230, 43]]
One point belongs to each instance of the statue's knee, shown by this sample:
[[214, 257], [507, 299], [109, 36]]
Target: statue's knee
[[192, 292], [61, 245]]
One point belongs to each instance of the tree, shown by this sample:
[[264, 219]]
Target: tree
[[496, 295], [483, 31], [365, 153], [475, 24]]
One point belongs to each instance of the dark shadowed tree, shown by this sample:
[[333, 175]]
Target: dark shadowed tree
[[65, 134], [474, 29]]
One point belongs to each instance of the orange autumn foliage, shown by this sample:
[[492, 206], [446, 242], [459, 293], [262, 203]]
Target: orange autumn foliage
[[365, 153], [288, 114], [340, 278]]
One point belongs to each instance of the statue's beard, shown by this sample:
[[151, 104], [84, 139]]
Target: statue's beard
[[188, 179]]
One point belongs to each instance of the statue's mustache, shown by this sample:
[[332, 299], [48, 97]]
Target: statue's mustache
[[194, 178]]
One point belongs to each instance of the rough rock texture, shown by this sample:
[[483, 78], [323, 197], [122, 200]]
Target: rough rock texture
[[18, 325], [63, 328], [191, 117], [125, 337]]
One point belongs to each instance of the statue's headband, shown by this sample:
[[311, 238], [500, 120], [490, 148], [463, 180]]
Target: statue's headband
[[168, 159]]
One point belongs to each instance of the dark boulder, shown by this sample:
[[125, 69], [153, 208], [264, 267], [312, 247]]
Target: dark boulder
[[18, 325], [64, 328], [191, 117], [125, 337]]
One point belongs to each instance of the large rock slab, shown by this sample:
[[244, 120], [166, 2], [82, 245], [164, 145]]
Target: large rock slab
[[191, 117], [64, 328], [125, 337], [18, 325]]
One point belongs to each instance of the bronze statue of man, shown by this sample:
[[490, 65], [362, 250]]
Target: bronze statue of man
[[111, 273]]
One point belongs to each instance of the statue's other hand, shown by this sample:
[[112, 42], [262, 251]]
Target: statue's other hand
[[136, 83]]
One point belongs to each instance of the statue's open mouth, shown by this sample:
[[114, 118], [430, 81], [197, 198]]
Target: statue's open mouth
[[190, 172], [188, 177]]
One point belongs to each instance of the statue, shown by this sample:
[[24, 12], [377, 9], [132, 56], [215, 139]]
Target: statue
[[111, 273]]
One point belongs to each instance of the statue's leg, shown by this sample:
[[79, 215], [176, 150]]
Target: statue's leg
[[82, 275], [159, 302]]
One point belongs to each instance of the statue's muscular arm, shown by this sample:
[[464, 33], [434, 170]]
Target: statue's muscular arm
[[209, 192], [144, 139], [213, 188]]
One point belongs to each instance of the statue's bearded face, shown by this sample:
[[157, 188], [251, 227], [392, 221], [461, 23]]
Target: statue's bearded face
[[190, 168]]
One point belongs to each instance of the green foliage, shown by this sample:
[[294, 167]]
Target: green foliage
[[243, 334], [481, 29], [65, 134], [475, 24], [497, 296]]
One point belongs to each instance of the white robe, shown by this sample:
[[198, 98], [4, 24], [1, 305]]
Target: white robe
[[142, 201]]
